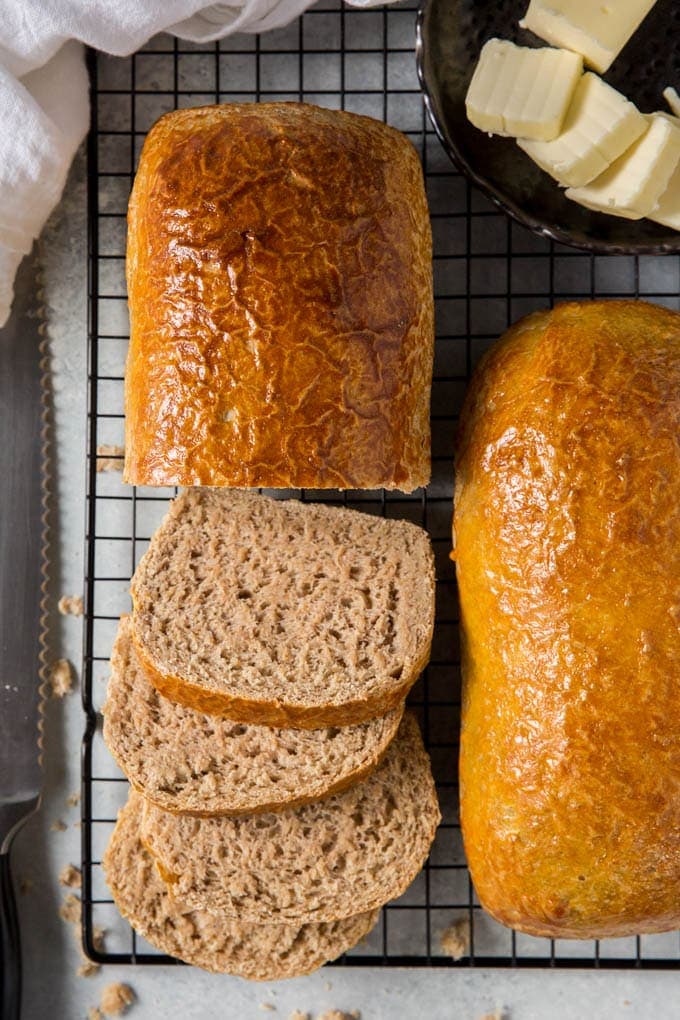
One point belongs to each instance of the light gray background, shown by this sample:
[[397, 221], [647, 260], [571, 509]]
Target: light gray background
[[51, 955]]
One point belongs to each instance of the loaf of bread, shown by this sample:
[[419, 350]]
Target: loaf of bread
[[187, 762], [282, 613], [217, 943], [346, 854], [280, 291], [567, 543]]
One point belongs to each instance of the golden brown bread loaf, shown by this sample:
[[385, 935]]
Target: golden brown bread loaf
[[280, 290], [567, 535]]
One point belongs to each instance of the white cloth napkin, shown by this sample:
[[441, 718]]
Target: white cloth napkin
[[44, 109]]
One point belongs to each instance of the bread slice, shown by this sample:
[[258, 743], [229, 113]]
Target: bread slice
[[281, 613], [190, 763], [351, 852], [221, 944]]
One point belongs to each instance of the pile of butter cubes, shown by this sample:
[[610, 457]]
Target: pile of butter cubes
[[576, 127]]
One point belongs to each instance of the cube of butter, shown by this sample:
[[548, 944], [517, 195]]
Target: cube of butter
[[673, 99], [668, 209], [634, 183], [600, 125], [522, 92], [597, 30]]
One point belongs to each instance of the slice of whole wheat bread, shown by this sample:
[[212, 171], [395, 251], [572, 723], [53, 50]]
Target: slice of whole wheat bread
[[191, 763], [349, 853], [282, 613], [221, 944]]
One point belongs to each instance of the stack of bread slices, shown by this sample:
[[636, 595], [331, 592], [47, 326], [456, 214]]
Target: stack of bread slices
[[280, 794]]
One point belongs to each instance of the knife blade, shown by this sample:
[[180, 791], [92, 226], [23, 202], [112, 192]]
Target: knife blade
[[23, 567]]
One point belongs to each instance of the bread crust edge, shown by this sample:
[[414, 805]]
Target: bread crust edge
[[174, 807], [271, 713]]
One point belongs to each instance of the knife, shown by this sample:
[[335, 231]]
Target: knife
[[23, 567]]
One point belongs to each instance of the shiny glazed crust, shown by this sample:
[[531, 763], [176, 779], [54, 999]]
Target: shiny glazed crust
[[280, 291], [567, 534]]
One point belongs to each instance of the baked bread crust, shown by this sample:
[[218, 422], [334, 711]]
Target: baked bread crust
[[280, 290], [224, 705], [567, 535]]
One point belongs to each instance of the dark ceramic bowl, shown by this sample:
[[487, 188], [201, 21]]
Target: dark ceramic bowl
[[450, 35]]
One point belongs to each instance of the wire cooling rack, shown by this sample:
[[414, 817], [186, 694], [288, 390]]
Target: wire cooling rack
[[488, 272]]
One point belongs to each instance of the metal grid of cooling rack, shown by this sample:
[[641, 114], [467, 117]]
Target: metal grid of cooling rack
[[488, 272]]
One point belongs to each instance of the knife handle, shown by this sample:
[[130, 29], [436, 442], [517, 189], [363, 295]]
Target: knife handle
[[10, 960]]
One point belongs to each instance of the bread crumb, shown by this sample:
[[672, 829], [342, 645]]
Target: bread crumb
[[297, 1015], [74, 799], [98, 938], [70, 876], [58, 826], [70, 605], [61, 678], [25, 885], [455, 941], [116, 999], [94, 1014], [268, 1007], [110, 458], [88, 968], [328, 986], [70, 910], [337, 1014], [498, 1014]]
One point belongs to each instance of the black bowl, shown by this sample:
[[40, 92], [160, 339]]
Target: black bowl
[[450, 35]]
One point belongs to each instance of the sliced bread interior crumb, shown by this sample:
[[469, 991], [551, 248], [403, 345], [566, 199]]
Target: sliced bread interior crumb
[[280, 602]]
